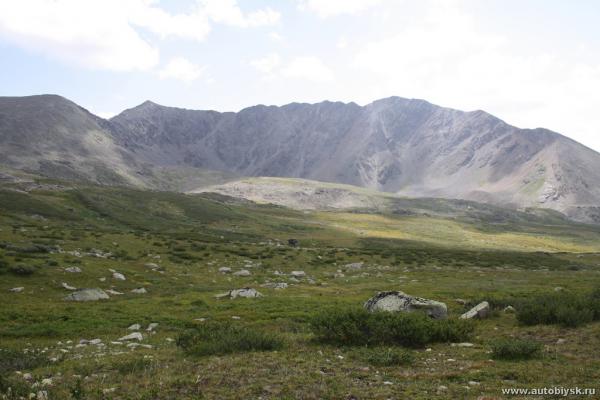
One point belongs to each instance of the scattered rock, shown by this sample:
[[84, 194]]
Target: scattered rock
[[151, 265], [242, 272], [47, 382], [354, 266], [235, 317], [87, 295], [244, 292], [442, 389], [118, 276], [67, 286], [42, 395], [27, 376], [461, 301], [113, 292], [298, 274], [73, 269], [95, 341], [560, 341], [275, 285], [17, 289], [480, 311], [139, 291], [134, 327], [152, 326], [559, 289], [396, 301], [464, 344], [132, 336], [509, 309], [225, 270]]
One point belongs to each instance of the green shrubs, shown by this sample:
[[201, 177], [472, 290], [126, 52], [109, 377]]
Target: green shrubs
[[563, 308], [224, 338], [384, 356], [22, 270], [516, 349], [362, 328]]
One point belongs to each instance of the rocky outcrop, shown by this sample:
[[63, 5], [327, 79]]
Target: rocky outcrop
[[397, 301]]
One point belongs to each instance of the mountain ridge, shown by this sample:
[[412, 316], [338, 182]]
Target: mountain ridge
[[405, 146]]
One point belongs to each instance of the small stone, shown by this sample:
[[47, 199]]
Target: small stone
[[118, 276], [109, 390], [95, 341], [461, 302], [442, 388], [73, 270], [42, 395], [225, 270], [134, 327], [87, 295], [67, 286], [17, 289], [242, 272], [298, 274], [113, 292], [27, 376], [560, 341], [509, 309], [387, 383], [474, 383], [235, 317], [480, 311], [151, 327], [132, 336], [47, 382], [275, 285], [139, 291]]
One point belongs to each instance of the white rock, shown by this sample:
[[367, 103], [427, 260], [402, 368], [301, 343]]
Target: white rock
[[298, 274], [17, 289], [134, 327], [113, 292], [73, 269], [47, 382], [87, 295], [139, 291], [242, 272], [396, 301], [95, 341], [67, 286], [152, 326], [225, 270], [480, 311], [118, 276], [132, 336]]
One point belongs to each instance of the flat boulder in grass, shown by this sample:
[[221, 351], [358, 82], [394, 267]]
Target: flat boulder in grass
[[396, 301], [244, 292], [94, 294], [480, 311]]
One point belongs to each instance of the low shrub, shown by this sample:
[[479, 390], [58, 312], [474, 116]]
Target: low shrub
[[218, 338], [359, 327], [563, 308], [22, 270], [384, 356], [516, 349]]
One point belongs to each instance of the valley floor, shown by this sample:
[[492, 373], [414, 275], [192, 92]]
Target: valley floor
[[173, 246]]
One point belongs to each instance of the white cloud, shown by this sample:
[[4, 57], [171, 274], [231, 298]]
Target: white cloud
[[267, 64], [309, 68], [331, 8], [228, 12], [103, 34], [181, 69], [447, 59], [276, 37]]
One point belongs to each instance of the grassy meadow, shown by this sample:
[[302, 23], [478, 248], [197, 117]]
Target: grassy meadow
[[268, 347]]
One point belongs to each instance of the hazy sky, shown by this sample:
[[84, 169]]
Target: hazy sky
[[532, 63]]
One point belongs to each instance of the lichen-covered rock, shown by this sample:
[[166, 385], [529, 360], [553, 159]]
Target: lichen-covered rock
[[275, 285], [480, 311], [87, 295], [396, 301]]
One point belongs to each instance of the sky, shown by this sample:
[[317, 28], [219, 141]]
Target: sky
[[532, 63]]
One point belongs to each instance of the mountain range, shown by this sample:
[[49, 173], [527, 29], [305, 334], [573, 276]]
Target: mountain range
[[403, 146]]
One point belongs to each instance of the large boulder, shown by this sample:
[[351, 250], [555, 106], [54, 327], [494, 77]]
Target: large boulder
[[87, 295], [396, 301], [480, 311]]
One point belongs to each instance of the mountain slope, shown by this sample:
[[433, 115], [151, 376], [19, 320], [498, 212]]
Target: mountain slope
[[409, 147]]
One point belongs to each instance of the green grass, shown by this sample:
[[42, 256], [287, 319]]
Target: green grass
[[190, 237]]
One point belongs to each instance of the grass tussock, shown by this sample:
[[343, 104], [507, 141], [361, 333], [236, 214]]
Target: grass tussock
[[358, 327], [562, 308], [516, 349], [223, 338]]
